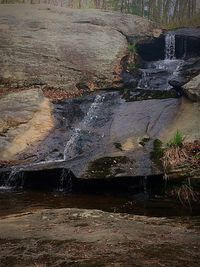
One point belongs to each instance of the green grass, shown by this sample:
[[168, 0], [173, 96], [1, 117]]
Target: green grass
[[177, 140]]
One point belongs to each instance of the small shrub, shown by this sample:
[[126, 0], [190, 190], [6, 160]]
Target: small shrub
[[177, 140]]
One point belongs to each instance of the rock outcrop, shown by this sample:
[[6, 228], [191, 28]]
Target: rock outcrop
[[192, 89], [64, 48]]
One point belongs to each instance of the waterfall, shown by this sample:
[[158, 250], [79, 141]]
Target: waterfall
[[170, 48], [90, 117]]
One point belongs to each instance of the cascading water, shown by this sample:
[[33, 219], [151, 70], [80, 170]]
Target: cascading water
[[170, 46], [90, 117]]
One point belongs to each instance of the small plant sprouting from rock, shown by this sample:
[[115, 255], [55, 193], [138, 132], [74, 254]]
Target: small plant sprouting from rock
[[132, 49], [159, 150], [132, 65], [177, 140]]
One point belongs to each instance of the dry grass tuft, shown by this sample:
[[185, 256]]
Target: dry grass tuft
[[187, 195], [186, 156]]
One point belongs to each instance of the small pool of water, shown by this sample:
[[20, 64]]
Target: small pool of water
[[12, 202]]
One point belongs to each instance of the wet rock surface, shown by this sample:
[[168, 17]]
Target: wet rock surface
[[90, 128], [73, 237], [64, 48], [102, 135]]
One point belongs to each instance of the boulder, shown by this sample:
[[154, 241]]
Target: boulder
[[25, 118], [192, 89], [187, 69], [64, 48]]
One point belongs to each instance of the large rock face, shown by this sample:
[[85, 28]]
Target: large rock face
[[102, 136], [60, 47]]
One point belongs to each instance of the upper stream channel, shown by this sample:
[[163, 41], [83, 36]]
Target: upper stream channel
[[95, 138]]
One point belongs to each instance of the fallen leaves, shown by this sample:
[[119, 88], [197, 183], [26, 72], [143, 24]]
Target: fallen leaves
[[59, 94]]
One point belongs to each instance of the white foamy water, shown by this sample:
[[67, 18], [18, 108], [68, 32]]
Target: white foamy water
[[90, 116], [93, 110], [170, 46]]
